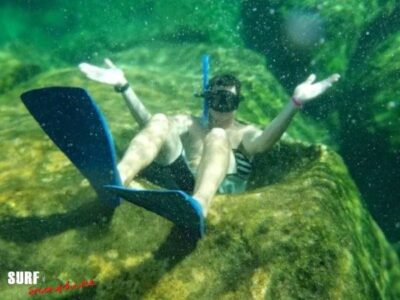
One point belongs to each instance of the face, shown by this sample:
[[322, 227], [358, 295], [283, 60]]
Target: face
[[221, 112], [222, 99]]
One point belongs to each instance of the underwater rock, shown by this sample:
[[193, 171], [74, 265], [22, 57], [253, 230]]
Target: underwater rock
[[369, 116], [359, 40], [14, 71], [130, 24], [300, 231], [305, 236], [380, 89], [309, 36]]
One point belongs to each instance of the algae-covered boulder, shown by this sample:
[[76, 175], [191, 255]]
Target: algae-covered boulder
[[125, 24], [369, 113], [15, 70], [305, 235], [309, 36], [359, 40], [379, 81], [213, 22], [300, 231]]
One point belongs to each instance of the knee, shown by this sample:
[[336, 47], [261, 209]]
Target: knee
[[160, 120], [217, 135]]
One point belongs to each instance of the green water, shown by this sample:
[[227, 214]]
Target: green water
[[50, 220]]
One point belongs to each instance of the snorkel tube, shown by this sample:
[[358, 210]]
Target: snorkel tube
[[205, 67]]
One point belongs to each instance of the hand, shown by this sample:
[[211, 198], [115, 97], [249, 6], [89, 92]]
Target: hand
[[308, 90], [111, 75]]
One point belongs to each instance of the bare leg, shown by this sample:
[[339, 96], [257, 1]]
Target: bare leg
[[213, 167], [157, 140]]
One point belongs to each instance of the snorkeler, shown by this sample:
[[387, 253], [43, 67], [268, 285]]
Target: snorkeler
[[201, 159]]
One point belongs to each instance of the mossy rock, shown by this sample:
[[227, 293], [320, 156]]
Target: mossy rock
[[369, 114], [15, 70], [128, 24], [380, 85], [309, 36], [306, 235]]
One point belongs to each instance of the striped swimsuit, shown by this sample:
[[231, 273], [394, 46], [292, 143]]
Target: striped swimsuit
[[237, 182]]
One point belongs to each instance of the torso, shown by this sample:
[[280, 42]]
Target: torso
[[195, 133]]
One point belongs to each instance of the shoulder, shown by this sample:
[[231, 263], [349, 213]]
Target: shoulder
[[251, 131], [247, 129], [249, 140]]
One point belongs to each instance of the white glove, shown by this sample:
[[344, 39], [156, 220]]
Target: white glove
[[111, 75], [308, 90]]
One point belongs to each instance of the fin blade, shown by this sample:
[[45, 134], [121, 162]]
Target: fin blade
[[75, 124]]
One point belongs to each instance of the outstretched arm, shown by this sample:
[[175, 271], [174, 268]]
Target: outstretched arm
[[257, 141], [116, 77]]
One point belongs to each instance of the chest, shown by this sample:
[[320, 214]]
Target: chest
[[193, 141]]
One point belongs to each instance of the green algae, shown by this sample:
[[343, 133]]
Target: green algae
[[382, 89], [341, 26], [15, 70], [127, 25]]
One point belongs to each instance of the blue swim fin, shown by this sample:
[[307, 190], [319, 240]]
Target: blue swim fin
[[73, 122], [174, 205]]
